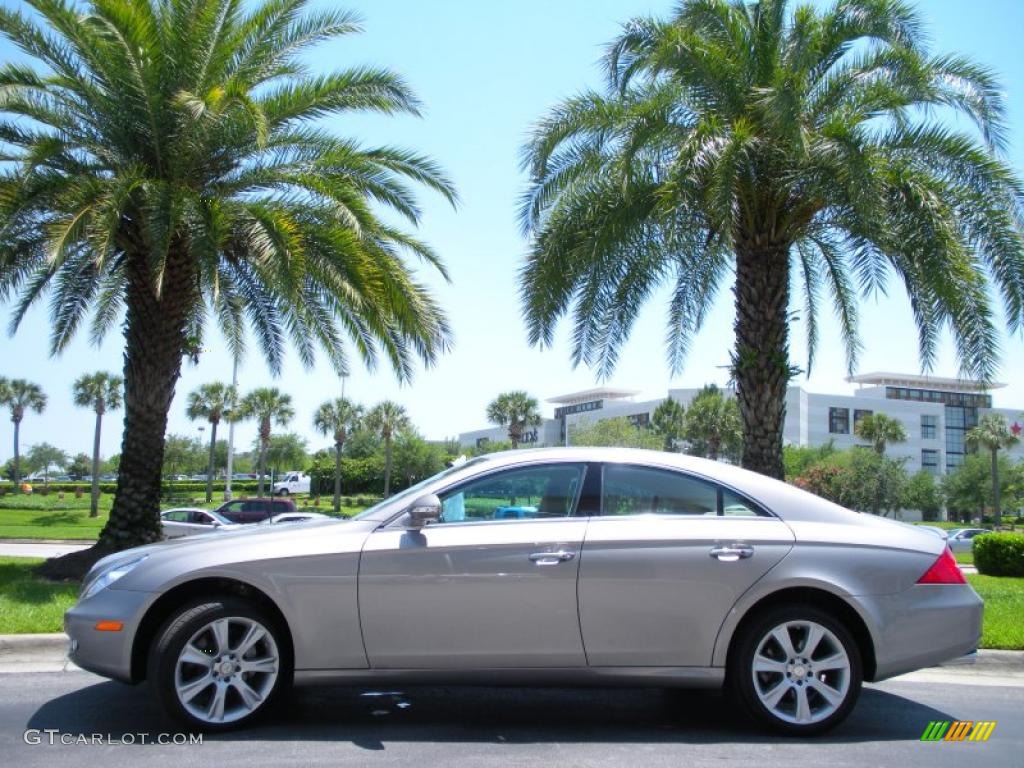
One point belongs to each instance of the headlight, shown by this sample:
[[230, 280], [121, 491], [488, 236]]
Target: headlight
[[109, 575]]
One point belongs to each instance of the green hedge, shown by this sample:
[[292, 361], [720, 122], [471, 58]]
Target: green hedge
[[999, 554]]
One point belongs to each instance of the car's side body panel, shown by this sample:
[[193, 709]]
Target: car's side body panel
[[651, 594], [468, 595]]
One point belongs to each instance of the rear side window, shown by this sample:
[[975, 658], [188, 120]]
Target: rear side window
[[633, 490]]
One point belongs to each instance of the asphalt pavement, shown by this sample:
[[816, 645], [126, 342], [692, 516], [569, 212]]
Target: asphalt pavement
[[490, 727]]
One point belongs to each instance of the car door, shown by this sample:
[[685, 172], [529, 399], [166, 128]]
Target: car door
[[665, 562], [492, 584]]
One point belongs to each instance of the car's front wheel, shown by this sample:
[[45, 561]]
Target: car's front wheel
[[219, 664], [797, 670]]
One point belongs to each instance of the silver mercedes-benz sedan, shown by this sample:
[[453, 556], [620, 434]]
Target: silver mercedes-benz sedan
[[539, 567]]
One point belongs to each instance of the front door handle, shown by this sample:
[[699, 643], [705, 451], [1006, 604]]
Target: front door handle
[[551, 558], [732, 553]]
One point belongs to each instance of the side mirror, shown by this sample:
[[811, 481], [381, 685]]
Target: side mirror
[[424, 511]]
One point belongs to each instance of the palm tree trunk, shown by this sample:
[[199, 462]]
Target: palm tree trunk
[[996, 510], [337, 477], [209, 464], [262, 468], [94, 494], [387, 466], [154, 341], [17, 456], [760, 364]]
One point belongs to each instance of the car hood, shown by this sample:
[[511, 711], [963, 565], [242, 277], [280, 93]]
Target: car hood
[[218, 552]]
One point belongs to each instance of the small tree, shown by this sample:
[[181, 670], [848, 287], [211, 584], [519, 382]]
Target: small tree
[[880, 430], [287, 451], [20, 396], [515, 411], [100, 391], [669, 421], [266, 405], [212, 402], [80, 466], [713, 425], [44, 456], [387, 419], [617, 433], [338, 418], [923, 493], [992, 433]]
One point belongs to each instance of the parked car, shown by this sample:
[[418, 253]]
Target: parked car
[[962, 539], [669, 570], [185, 521], [298, 517], [942, 533], [254, 510], [291, 483]]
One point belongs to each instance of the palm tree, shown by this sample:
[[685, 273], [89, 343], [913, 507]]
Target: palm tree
[[338, 418], [880, 430], [211, 402], [752, 144], [172, 162], [669, 422], [992, 433], [20, 395], [387, 419], [100, 391], [266, 405], [516, 411], [712, 424]]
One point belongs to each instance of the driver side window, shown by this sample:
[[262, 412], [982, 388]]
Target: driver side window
[[529, 493]]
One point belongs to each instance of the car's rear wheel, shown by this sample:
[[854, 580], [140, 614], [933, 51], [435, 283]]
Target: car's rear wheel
[[219, 664], [797, 670], [283, 492]]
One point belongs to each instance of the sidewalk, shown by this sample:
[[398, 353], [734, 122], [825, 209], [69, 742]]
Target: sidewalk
[[47, 653], [40, 547]]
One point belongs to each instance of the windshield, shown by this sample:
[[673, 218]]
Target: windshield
[[413, 490]]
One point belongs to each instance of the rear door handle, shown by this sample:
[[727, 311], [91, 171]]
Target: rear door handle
[[551, 558], [732, 553]]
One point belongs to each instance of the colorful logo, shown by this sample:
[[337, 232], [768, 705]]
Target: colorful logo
[[958, 730]]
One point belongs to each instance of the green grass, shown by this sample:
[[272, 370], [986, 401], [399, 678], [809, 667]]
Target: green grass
[[964, 558], [28, 605], [53, 523], [1004, 610]]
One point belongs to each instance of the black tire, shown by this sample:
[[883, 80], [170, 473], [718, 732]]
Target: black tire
[[182, 626], [283, 492], [741, 678]]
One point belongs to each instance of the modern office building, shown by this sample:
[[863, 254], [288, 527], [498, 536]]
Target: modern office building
[[935, 412]]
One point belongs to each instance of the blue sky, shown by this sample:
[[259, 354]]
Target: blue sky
[[485, 72]]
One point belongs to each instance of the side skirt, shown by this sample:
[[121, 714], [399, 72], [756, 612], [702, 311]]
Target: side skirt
[[676, 677]]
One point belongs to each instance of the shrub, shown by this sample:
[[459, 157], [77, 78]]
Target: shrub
[[999, 554]]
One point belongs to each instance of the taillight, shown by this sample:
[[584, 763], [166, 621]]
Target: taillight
[[943, 571]]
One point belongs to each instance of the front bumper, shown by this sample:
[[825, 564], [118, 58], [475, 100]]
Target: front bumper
[[106, 653]]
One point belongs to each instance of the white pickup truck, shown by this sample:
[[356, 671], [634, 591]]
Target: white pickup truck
[[291, 483]]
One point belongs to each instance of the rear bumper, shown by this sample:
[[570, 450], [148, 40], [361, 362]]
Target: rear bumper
[[105, 653], [925, 625]]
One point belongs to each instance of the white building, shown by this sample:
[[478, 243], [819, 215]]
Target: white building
[[935, 412]]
